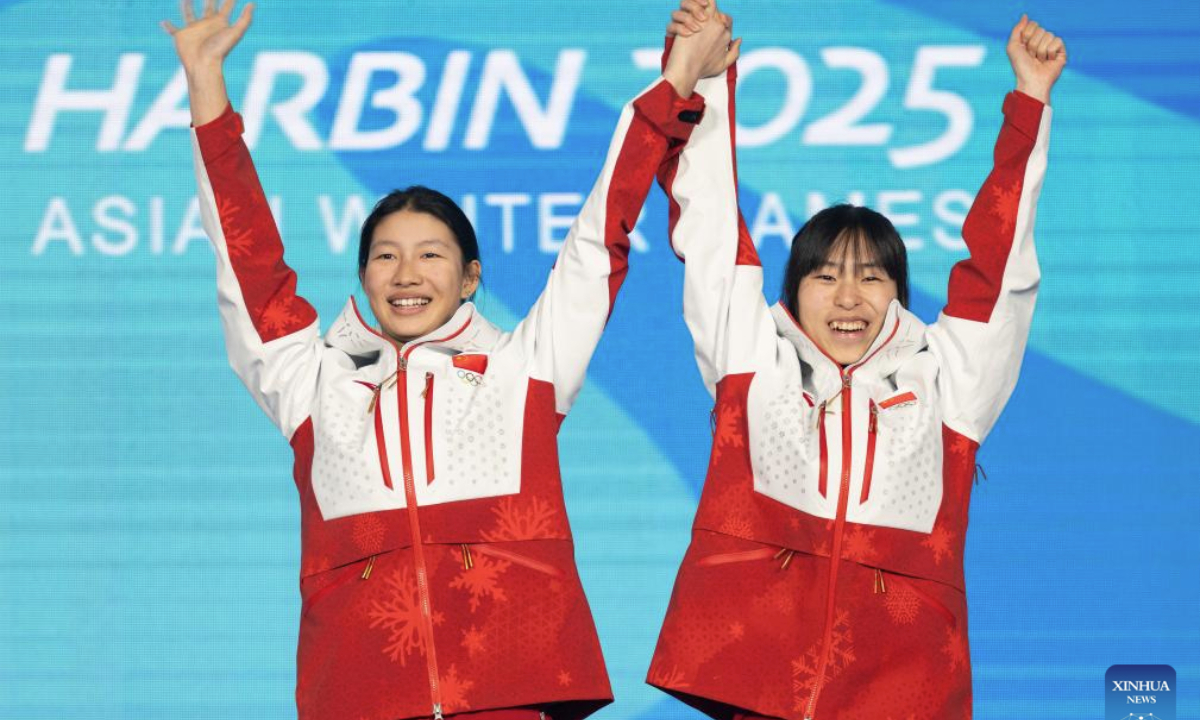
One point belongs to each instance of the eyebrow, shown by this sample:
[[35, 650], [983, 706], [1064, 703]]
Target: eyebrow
[[427, 241], [860, 266]]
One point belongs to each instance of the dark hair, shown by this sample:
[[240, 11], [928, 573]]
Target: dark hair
[[420, 199], [845, 230]]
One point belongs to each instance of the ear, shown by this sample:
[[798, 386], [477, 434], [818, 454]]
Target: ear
[[471, 276]]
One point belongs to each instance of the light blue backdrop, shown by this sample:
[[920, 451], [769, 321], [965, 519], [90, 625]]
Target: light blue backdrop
[[148, 522]]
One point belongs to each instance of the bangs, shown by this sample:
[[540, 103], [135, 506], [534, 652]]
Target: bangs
[[853, 249], [845, 234]]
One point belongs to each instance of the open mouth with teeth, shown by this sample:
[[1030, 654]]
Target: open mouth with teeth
[[848, 327], [408, 305]]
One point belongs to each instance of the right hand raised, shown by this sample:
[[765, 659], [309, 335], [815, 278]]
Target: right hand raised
[[202, 43], [701, 53]]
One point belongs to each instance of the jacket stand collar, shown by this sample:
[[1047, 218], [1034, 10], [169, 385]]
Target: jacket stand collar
[[466, 329], [902, 336]]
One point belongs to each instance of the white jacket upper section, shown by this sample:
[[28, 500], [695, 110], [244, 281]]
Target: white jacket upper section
[[959, 371], [477, 417]]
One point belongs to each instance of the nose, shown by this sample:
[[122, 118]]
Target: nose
[[406, 273], [847, 296]]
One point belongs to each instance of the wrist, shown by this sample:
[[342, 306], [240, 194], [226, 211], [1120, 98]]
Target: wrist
[[684, 83], [682, 77], [1037, 91], [205, 72]]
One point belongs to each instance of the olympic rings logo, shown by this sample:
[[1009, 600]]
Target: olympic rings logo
[[470, 378]]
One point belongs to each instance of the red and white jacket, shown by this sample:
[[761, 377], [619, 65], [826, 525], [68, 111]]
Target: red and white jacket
[[437, 570], [825, 574]]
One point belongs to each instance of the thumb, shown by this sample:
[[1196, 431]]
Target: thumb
[[1015, 36], [731, 55]]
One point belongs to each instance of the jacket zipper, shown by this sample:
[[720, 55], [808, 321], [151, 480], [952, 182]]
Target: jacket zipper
[[835, 556], [410, 495], [823, 480], [381, 444], [872, 433], [839, 529], [414, 521], [428, 395]]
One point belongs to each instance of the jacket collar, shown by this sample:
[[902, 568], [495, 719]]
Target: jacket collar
[[902, 336], [465, 330]]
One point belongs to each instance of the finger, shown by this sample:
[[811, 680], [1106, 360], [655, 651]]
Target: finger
[[1030, 28], [189, 13], [679, 17], [171, 29], [1031, 44], [1018, 29], [243, 22], [1044, 46], [210, 8], [1058, 48], [695, 8], [226, 9], [679, 30], [734, 52]]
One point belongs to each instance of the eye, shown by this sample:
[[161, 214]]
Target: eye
[[430, 254], [385, 256], [824, 277]]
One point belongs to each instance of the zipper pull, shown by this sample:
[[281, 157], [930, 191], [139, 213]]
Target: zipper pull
[[979, 471], [366, 574], [846, 381], [787, 555], [880, 585], [821, 414], [386, 383], [428, 382], [437, 711], [401, 363], [468, 561], [873, 424]]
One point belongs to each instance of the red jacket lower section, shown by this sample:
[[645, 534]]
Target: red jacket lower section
[[511, 627], [746, 624], [510, 624]]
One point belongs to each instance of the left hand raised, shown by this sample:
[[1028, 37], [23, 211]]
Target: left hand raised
[[1038, 58]]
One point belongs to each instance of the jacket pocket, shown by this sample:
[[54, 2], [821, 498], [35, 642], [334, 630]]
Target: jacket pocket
[[887, 581], [740, 556], [469, 550], [360, 569]]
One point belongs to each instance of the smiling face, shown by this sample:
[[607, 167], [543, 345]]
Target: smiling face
[[414, 276], [843, 301]]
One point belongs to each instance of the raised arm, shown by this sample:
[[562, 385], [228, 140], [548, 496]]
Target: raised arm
[[565, 324], [981, 334], [270, 332], [723, 302]]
